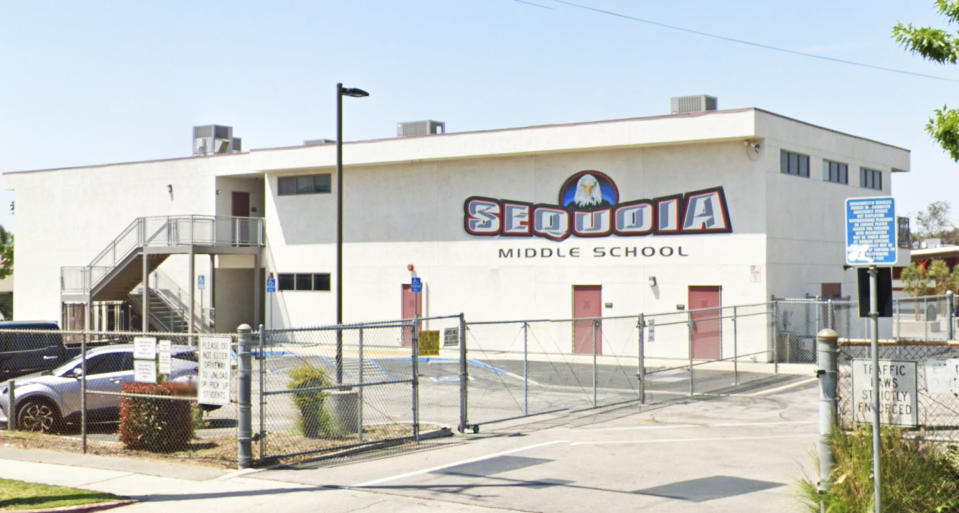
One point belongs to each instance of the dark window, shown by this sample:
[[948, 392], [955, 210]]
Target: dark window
[[304, 282], [110, 362], [284, 281], [308, 184], [795, 164], [304, 184], [287, 185], [835, 172], [321, 281], [321, 183], [870, 178]]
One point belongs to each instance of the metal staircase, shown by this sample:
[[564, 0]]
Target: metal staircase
[[140, 249]]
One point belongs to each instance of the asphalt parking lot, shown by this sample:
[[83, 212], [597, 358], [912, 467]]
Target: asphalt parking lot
[[739, 452]]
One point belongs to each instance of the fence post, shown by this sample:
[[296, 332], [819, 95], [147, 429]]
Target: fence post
[[525, 368], [775, 336], [830, 315], [245, 427], [735, 347], [416, 379], [641, 359], [595, 369], [950, 309], [464, 377], [690, 326], [360, 390], [826, 349], [11, 402], [262, 399], [83, 387]]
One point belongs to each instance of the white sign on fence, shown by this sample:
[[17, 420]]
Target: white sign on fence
[[898, 401], [164, 358], [214, 378], [942, 376], [144, 371], [144, 348]]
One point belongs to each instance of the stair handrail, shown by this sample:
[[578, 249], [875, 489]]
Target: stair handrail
[[252, 235], [164, 285]]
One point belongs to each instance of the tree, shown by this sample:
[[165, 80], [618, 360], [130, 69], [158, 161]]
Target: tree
[[939, 274], [914, 280], [6, 253], [934, 223], [940, 46]]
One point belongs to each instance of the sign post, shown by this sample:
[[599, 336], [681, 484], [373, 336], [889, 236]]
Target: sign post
[[270, 290], [871, 242]]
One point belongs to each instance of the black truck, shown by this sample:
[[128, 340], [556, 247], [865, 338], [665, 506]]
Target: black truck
[[31, 346]]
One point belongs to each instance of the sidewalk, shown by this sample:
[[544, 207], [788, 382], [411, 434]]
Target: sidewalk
[[162, 486]]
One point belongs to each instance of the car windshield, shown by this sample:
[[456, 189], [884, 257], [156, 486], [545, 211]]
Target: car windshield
[[65, 368]]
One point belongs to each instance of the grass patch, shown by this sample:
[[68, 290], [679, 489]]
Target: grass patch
[[18, 495]]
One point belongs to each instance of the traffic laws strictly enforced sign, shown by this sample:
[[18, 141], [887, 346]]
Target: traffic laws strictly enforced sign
[[898, 402], [871, 227]]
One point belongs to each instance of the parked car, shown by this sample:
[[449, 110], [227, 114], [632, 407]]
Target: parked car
[[47, 401], [31, 346]]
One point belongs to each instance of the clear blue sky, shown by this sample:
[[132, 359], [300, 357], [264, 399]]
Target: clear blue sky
[[96, 82]]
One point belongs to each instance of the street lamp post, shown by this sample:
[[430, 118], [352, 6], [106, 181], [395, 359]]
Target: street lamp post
[[340, 93]]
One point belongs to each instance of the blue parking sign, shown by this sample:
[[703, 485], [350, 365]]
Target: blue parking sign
[[270, 285], [416, 285]]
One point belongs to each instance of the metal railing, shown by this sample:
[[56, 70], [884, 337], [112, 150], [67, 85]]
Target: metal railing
[[165, 232]]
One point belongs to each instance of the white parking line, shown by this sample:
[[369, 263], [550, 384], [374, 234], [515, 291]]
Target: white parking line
[[463, 462], [708, 439], [784, 387], [690, 426]]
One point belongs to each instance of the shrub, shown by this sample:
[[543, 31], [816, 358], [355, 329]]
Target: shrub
[[917, 476], [313, 420], [158, 425]]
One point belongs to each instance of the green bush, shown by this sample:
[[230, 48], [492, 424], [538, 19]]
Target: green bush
[[313, 420], [917, 476], [158, 425]]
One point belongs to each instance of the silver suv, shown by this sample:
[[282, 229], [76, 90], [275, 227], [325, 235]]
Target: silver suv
[[45, 402]]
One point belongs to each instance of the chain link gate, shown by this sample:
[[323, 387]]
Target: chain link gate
[[332, 391]]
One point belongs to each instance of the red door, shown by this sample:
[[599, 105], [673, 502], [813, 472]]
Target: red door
[[240, 208], [411, 305], [706, 326], [587, 303]]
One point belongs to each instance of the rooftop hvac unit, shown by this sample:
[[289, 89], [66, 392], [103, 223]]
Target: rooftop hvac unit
[[415, 128], [214, 139], [683, 104]]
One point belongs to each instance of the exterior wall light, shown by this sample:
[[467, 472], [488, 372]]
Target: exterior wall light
[[652, 282]]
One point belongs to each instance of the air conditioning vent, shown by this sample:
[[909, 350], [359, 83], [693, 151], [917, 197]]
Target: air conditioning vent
[[416, 128], [684, 104], [215, 139]]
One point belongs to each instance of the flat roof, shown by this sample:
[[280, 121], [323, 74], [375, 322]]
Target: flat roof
[[687, 115]]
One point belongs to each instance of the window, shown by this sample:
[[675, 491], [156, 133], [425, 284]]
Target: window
[[870, 178], [310, 184], [109, 363], [835, 172], [793, 163], [303, 281]]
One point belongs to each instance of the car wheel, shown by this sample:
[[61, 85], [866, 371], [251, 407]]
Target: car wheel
[[38, 415]]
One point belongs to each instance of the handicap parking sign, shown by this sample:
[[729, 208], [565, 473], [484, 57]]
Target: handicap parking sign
[[416, 285]]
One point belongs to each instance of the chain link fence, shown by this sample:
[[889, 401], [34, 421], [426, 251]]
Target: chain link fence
[[328, 392], [102, 395], [937, 399]]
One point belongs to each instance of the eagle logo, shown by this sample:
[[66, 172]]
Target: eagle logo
[[588, 190]]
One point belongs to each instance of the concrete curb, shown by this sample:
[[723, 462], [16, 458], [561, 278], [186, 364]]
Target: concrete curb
[[86, 508]]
